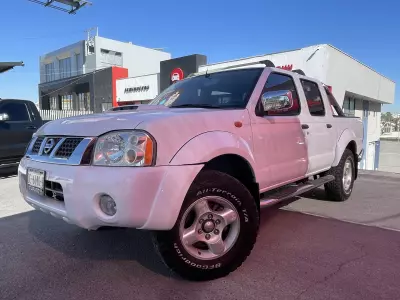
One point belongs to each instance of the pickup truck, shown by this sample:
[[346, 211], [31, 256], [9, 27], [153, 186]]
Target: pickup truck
[[19, 119], [197, 164]]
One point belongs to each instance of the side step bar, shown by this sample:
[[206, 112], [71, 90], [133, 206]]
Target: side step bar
[[293, 191]]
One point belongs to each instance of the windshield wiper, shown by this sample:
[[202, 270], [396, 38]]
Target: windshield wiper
[[195, 105]]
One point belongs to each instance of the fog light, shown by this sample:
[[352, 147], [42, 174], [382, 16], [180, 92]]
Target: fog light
[[108, 205]]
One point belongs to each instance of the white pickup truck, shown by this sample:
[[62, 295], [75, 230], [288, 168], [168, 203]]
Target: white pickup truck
[[197, 164]]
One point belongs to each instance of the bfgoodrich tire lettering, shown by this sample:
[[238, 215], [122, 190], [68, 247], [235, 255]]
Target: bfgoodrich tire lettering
[[174, 253], [336, 190]]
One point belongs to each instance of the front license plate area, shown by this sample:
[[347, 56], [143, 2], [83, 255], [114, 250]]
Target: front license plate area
[[35, 181]]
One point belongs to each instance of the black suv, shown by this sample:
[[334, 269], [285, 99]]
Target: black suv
[[19, 119]]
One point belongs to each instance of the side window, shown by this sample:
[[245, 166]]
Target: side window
[[313, 97], [15, 111], [278, 82]]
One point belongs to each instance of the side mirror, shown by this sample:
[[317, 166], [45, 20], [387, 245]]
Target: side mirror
[[4, 117], [277, 100]]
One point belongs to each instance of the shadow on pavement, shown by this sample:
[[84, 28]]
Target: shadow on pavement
[[8, 172], [105, 244]]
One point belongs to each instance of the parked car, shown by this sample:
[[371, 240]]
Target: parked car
[[197, 163], [19, 119]]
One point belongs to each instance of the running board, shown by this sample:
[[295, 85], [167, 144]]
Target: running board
[[293, 191]]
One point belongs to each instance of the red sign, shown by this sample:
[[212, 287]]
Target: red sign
[[286, 67], [176, 75]]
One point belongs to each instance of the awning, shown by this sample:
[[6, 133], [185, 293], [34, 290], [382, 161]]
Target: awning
[[6, 66]]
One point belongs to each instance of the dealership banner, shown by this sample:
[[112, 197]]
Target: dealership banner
[[137, 88]]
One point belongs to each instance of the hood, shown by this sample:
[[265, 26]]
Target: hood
[[98, 124]]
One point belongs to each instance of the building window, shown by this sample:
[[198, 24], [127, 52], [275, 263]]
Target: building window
[[53, 102], [349, 106], [106, 106], [110, 58], [84, 101], [78, 63], [65, 67], [66, 102], [49, 71]]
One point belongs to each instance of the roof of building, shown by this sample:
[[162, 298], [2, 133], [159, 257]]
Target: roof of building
[[6, 66]]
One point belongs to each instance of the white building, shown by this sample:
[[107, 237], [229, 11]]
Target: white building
[[82, 76], [359, 89]]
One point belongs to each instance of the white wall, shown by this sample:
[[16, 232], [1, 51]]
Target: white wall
[[311, 60], [138, 60], [344, 73]]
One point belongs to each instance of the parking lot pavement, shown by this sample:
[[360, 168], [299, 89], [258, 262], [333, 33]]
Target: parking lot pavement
[[10, 200], [297, 256], [375, 202]]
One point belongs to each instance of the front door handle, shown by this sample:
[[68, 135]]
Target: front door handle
[[304, 126], [329, 125], [31, 127]]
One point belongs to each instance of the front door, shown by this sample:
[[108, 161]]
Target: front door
[[280, 148]]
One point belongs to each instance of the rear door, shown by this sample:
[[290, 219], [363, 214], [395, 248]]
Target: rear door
[[318, 126], [17, 131]]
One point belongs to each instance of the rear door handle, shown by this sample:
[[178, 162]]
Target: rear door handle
[[304, 126], [31, 127], [329, 125]]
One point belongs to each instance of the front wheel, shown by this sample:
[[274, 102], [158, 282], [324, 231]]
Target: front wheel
[[341, 188], [215, 231]]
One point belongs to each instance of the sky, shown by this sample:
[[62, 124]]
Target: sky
[[222, 30]]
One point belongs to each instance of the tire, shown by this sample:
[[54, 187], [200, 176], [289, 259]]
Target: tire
[[337, 190], [194, 261]]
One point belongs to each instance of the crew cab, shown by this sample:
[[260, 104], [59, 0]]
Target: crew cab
[[198, 163], [19, 119]]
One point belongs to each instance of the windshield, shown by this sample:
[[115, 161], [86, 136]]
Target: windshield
[[227, 89]]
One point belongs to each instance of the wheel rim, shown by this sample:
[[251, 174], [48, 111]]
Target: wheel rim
[[209, 227], [347, 175]]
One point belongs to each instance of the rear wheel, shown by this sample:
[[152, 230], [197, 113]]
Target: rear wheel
[[341, 188], [215, 231]]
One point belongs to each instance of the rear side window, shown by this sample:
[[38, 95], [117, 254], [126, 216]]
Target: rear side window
[[313, 97], [278, 82], [17, 112]]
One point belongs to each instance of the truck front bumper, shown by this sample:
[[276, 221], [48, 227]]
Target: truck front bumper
[[145, 197]]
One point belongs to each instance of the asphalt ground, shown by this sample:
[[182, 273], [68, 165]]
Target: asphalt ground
[[298, 255]]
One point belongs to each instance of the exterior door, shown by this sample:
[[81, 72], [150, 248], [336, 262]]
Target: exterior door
[[318, 128], [280, 149]]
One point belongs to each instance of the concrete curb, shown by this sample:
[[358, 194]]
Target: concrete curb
[[378, 174]]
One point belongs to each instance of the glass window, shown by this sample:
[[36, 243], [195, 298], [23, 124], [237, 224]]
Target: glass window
[[53, 103], [226, 89], [49, 71], [65, 67], [313, 98], [277, 82], [84, 101], [349, 106], [66, 102], [17, 112], [78, 63]]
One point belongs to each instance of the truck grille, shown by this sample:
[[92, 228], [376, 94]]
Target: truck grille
[[68, 150], [67, 147], [37, 144], [54, 190]]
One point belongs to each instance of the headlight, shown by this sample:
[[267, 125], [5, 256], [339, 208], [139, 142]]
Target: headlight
[[124, 148]]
